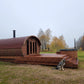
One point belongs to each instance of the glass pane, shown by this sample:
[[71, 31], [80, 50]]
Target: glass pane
[[30, 47], [35, 47]]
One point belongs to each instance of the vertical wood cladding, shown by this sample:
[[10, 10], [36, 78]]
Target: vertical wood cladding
[[27, 47], [32, 47]]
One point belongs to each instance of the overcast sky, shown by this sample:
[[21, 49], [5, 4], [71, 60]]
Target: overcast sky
[[63, 17]]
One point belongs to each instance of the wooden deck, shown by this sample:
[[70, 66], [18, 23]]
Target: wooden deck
[[42, 59]]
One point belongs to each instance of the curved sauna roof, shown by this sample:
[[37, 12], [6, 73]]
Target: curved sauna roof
[[15, 43]]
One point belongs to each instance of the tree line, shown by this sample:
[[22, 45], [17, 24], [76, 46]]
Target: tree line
[[49, 42], [80, 43]]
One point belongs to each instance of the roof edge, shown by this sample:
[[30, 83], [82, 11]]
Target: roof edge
[[31, 37]]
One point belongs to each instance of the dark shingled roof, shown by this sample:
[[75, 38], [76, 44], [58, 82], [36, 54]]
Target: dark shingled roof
[[15, 42]]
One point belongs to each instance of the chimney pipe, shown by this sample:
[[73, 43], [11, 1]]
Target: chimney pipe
[[14, 35], [74, 43]]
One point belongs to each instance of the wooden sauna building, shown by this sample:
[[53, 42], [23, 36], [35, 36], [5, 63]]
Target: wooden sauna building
[[23, 46], [27, 50]]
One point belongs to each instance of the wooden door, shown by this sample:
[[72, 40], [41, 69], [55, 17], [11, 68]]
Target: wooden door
[[31, 47]]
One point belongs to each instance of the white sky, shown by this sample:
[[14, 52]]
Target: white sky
[[63, 17]]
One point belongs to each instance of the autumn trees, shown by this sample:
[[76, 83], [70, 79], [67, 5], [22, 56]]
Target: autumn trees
[[53, 43], [80, 43], [49, 43], [57, 43], [44, 38]]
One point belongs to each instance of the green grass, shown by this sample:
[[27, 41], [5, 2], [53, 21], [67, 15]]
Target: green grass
[[81, 55], [36, 74], [81, 59]]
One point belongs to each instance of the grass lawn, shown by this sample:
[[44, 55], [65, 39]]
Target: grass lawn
[[37, 74]]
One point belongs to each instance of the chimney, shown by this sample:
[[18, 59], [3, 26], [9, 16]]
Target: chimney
[[74, 43], [14, 35]]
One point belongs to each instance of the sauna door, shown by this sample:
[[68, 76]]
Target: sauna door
[[31, 47]]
